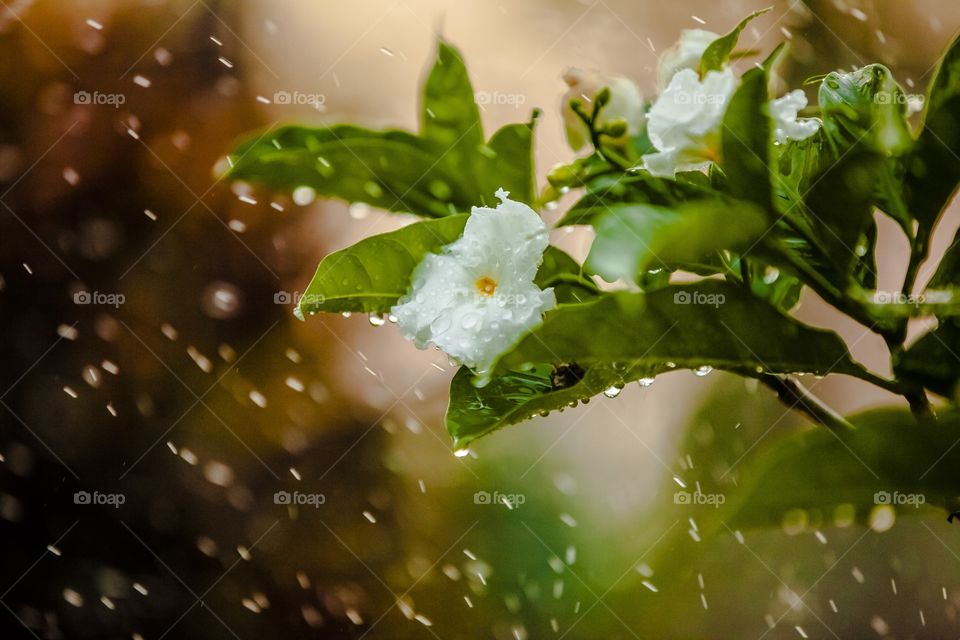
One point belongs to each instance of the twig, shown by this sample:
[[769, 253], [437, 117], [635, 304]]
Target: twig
[[796, 396]]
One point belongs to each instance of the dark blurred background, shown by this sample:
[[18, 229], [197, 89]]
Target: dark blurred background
[[157, 393]]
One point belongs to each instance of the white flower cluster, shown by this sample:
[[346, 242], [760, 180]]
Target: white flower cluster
[[477, 297], [685, 122]]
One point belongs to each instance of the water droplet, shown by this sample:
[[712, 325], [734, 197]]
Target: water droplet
[[470, 320], [221, 300], [440, 325], [702, 371], [377, 320], [345, 314], [303, 196], [462, 453], [613, 392], [645, 382], [771, 275]]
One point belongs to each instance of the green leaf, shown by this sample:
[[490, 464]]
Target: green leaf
[[887, 458], [373, 273], [840, 207], [449, 113], [865, 107], [445, 170], [718, 52], [390, 169], [779, 289], [707, 323], [745, 140], [583, 349], [635, 238], [948, 271], [565, 275], [934, 359], [605, 191], [933, 167], [508, 161]]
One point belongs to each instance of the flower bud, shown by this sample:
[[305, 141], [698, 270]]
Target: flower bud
[[617, 98]]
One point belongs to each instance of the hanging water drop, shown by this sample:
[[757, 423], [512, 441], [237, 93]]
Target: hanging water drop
[[377, 320], [462, 453], [702, 371], [613, 392], [645, 382]]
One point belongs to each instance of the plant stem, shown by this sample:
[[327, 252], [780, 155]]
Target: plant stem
[[796, 396]]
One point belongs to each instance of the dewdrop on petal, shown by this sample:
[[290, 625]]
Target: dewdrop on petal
[[477, 297]]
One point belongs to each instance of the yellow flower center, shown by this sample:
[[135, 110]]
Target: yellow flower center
[[486, 285]]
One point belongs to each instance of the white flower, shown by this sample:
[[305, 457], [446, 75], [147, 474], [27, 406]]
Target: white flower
[[784, 113], [684, 123], [684, 54], [626, 102], [477, 298]]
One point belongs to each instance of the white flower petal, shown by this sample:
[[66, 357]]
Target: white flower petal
[[784, 110], [477, 298], [684, 54], [684, 123]]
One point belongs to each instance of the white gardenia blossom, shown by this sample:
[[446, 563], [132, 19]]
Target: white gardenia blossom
[[626, 102], [784, 113], [477, 297], [684, 54], [684, 123]]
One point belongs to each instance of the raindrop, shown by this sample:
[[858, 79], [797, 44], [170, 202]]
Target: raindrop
[[303, 196], [377, 320], [646, 382], [461, 453], [702, 371], [221, 300], [613, 392]]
